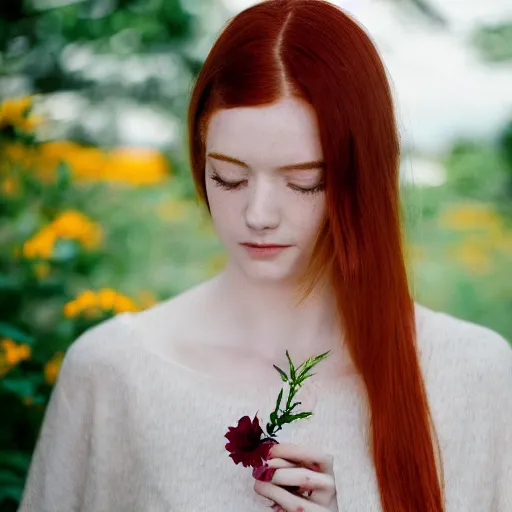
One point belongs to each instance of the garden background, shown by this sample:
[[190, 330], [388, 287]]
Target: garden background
[[97, 207]]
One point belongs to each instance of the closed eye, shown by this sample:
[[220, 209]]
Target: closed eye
[[235, 185], [310, 190], [227, 185]]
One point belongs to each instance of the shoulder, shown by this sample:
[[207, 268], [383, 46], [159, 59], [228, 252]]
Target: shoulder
[[93, 344], [96, 348], [113, 348], [458, 349], [184, 319]]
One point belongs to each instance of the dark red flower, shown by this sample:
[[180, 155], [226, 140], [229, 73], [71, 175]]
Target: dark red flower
[[246, 444]]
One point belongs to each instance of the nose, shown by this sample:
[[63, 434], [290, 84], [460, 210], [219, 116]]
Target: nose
[[262, 211]]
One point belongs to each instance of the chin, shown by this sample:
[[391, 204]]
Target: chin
[[268, 272], [285, 268]]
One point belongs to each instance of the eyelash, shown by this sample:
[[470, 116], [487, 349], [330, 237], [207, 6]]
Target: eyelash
[[226, 185]]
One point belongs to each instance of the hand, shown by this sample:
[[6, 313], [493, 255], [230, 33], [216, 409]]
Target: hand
[[310, 470]]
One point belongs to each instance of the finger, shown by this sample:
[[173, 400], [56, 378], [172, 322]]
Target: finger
[[315, 460], [319, 487], [280, 463], [267, 470], [288, 502], [305, 479]]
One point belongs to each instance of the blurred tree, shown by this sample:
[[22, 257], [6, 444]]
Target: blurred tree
[[494, 42], [111, 58], [425, 8]]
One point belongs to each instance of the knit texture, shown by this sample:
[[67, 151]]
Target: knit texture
[[127, 430]]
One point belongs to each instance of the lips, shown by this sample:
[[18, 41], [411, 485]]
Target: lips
[[264, 246]]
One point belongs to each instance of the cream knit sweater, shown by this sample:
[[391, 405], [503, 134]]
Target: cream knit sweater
[[127, 431]]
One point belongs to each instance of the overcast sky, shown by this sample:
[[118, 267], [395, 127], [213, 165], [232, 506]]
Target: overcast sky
[[441, 89]]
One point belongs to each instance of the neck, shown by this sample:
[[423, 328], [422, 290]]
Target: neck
[[268, 318]]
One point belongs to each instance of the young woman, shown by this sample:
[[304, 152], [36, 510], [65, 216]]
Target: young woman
[[294, 148]]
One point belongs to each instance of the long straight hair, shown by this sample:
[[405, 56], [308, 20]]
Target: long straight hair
[[315, 51]]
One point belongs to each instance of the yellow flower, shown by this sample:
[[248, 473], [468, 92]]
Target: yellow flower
[[91, 304], [68, 225], [174, 209], [17, 154], [92, 312], [87, 299], [75, 225], [84, 162], [107, 298], [137, 166], [10, 186], [15, 112], [471, 216], [40, 245], [475, 254], [52, 367], [71, 309], [123, 303], [12, 353]]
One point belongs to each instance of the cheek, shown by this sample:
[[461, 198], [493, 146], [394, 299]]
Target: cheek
[[311, 217], [224, 208]]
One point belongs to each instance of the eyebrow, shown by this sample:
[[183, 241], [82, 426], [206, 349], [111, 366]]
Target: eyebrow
[[317, 164]]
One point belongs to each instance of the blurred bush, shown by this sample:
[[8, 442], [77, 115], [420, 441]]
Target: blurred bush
[[460, 234], [71, 220]]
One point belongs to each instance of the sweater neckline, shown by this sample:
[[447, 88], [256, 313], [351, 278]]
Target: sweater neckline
[[249, 381]]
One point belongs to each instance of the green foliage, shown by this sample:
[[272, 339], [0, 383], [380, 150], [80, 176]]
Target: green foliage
[[463, 236], [477, 171], [279, 417], [494, 42], [49, 287]]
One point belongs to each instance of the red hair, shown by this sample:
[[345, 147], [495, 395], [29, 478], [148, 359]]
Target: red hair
[[313, 50]]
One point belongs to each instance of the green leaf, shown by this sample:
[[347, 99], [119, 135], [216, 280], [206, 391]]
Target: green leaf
[[9, 478], [63, 176], [301, 415], [304, 367], [306, 377], [14, 462], [293, 406], [284, 377], [65, 250], [13, 492], [280, 396], [11, 282], [21, 387], [299, 368], [308, 364], [292, 369], [319, 358], [288, 418], [10, 331]]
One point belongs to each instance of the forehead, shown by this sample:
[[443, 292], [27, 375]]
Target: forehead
[[283, 133]]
